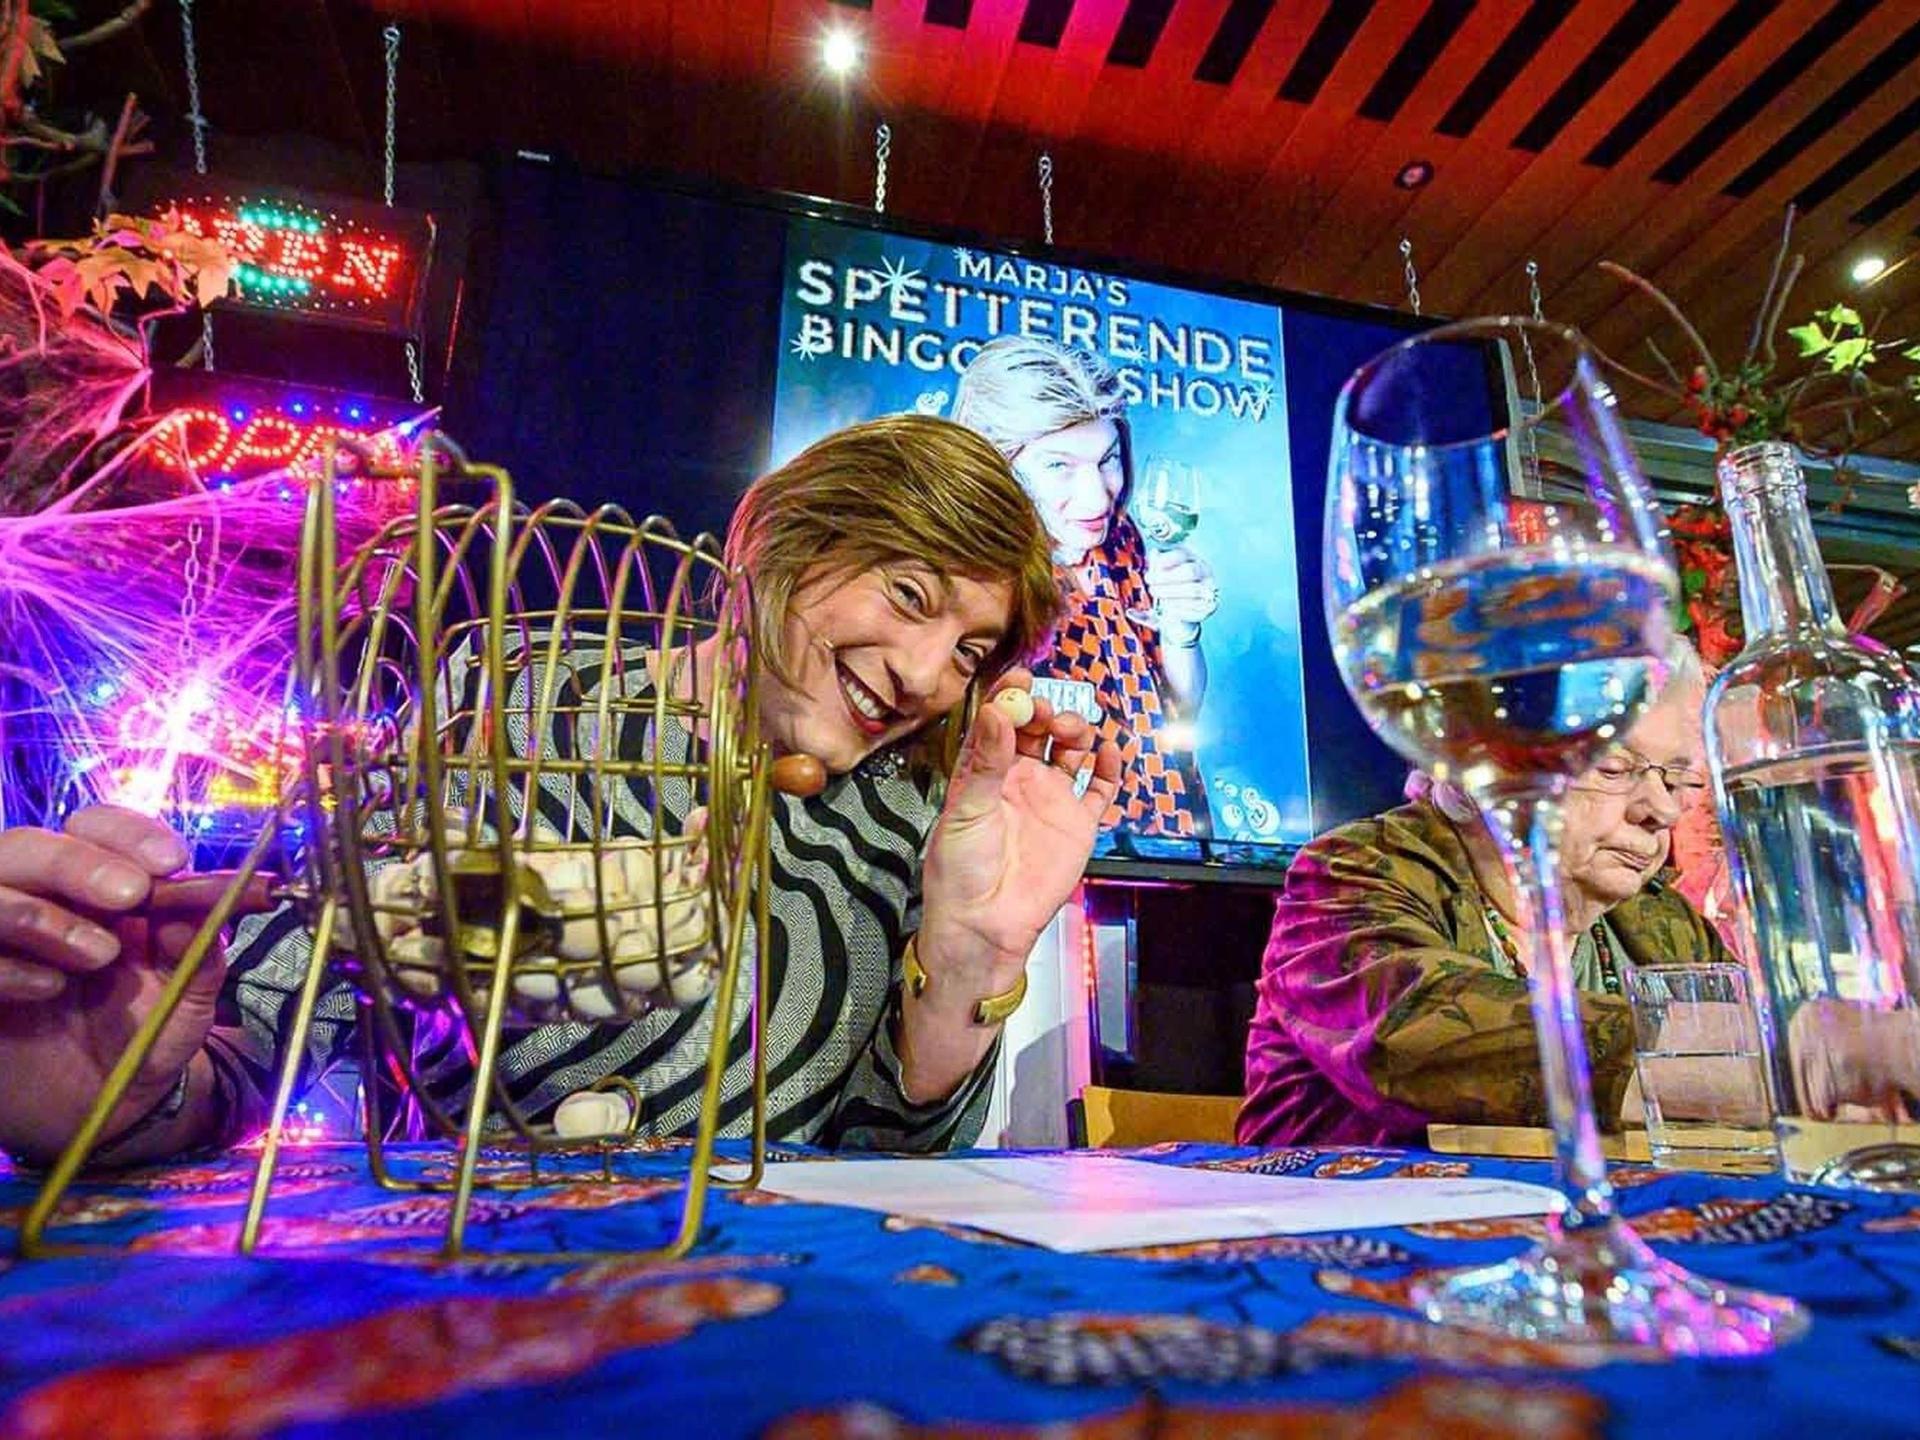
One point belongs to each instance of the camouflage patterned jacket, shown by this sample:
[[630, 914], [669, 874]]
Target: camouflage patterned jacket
[[1385, 1001]]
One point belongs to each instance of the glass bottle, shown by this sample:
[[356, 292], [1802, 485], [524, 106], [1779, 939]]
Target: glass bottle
[[1814, 742]]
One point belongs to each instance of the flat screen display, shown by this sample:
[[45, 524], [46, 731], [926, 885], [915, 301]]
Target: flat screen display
[[679, 342], [1149, 424]]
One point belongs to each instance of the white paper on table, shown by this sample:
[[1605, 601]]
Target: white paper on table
[[1081, 1202]]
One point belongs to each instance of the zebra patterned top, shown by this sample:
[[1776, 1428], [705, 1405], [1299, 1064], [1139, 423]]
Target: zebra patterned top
[[845, 897]]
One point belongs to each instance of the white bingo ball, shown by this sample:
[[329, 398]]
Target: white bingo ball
[[569, 882], [418, 962], [1016, 704], [692, 983], [588, 1114], [590, 1002], [626, 877], [395, 891], [539, 987], [635, 964], [686, 924]]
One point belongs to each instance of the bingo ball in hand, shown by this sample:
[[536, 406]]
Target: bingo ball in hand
[[1016, 704]]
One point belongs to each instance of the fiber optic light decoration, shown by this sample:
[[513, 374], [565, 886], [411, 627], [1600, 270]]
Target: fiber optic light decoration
[[222, 432], [319, 257]]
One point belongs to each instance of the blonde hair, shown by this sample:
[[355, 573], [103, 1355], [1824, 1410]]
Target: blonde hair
[[1019, 389], [904, 489]]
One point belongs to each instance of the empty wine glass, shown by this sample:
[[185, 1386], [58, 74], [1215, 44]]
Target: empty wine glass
[[1499, 591]]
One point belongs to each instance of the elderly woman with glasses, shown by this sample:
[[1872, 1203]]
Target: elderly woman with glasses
[[1392, 993]]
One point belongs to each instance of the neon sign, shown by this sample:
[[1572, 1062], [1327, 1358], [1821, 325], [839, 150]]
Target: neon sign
[[320, 257], [224, 431]]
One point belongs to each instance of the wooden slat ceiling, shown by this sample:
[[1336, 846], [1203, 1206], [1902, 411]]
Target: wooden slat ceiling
[[1254, 140]]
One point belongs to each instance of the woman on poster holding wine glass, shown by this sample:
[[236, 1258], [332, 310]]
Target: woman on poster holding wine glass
[[1136, 593]]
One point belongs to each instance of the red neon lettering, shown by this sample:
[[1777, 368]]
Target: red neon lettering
[[315, 448], [200, 441], [244, 239], [269, 440], [334, 265], [300, 257], [366, 266], [192, 440]]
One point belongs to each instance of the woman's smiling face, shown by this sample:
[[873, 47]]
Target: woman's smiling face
[[877, 655]]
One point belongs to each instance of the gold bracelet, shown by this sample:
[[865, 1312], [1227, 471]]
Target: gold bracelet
[[991, 1011]]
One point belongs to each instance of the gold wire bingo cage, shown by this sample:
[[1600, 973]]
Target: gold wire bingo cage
[[533, 790]]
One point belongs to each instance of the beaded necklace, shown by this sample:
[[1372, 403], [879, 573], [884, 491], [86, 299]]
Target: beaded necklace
[[1503, 936]]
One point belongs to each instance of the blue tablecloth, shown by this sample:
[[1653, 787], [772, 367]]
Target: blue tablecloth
[[794, 1320]]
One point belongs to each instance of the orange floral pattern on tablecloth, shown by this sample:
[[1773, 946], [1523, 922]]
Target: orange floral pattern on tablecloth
[[1497, 1227], [104, 1207], [1631, 1177], [174, 1179], [1435, 1407], [902, 1224], [1724, 1220], [414, 1355], [615, 1273], [1358, 1335], [1738, 1220], [1905, 1220], [85, 1209], [425, 1213], [1290, 1160], [926, 1275]]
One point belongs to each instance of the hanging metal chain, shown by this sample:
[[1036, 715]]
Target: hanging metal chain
[[195, 119], [1046, 196], [1413, 276], [392, 36], [1531, 462], [882, 148], [190, 593], [197, 122], [1526, 340]]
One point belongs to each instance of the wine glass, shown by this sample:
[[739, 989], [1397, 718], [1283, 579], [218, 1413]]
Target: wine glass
[[1165, 503], [1165, 506], [1499, 591]]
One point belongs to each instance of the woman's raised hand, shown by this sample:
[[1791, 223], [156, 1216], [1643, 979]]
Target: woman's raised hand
[[1012, 839]]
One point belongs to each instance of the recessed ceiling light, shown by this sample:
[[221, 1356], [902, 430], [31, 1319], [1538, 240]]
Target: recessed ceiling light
[[1868, 268], [840, 52], [1414, 174]]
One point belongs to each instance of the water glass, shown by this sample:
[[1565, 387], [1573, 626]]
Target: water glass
[[1700, 1058]]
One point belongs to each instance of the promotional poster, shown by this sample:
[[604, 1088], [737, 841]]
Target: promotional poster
[[1149, 424]]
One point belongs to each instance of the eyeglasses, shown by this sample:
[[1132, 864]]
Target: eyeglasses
[[1621, 773]]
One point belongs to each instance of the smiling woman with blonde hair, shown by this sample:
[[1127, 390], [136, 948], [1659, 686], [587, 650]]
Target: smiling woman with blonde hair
[[899, 572]]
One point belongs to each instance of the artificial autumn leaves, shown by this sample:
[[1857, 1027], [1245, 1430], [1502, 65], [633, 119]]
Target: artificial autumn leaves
[[138, 256]]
